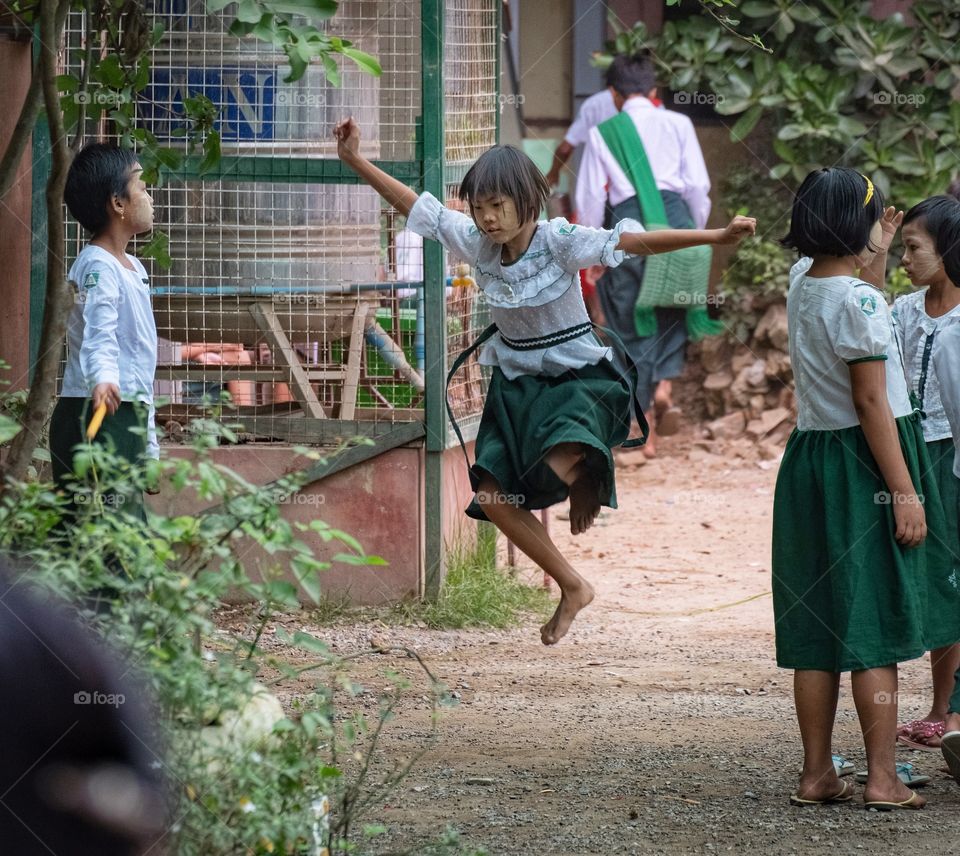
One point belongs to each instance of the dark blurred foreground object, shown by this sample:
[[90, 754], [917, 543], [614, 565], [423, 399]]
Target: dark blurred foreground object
[[80, 772]]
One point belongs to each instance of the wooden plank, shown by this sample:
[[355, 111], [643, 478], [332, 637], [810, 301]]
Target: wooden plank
[[267, 321], [313, 431], [351, 378]]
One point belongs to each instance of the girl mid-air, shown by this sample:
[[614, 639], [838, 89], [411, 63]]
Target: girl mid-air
[[555, 405]]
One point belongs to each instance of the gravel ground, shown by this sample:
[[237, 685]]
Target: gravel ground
[[661, 723]]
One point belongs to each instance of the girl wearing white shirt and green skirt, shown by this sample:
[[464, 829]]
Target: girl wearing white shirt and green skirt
[[854, 573]]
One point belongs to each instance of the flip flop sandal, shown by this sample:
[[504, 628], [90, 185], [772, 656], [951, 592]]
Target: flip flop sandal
[[907, 728], [840, 764], [669, 423], [904, 774], [950, 747], [882, 805], [924, 732], [845, 795]]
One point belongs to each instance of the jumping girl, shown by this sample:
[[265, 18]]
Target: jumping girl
[[555, 405]]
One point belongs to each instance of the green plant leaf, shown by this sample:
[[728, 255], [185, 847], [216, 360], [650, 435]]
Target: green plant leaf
[[366, 62]]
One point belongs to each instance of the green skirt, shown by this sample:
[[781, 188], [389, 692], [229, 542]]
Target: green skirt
[[525, 417], [846, 595], [68, 430]]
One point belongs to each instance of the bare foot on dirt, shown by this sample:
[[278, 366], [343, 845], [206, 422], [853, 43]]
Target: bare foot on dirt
[[893, 791], [584, 504], [571, 602]]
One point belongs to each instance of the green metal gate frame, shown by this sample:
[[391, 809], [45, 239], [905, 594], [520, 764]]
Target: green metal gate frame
[[427, 172]]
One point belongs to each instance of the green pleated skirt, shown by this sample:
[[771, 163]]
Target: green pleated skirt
[[846, 595], [525, 417]]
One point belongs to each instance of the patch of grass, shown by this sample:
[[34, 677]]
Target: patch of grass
[[477, 593]]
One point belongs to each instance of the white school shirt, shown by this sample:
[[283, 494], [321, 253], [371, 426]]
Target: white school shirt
[[946, 366], [835, 321], [914, 330], [111, 332], [596, 109], [676, 161], [538, 294]]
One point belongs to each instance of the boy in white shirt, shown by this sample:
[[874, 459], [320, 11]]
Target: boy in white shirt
[[111, 332]]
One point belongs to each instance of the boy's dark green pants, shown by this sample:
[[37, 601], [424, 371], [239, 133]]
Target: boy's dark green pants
[[68, 427]]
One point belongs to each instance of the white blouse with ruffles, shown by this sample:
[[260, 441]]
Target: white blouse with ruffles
[[534, 296]]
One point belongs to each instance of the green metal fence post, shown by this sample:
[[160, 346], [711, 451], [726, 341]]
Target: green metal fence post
[[435, 320]]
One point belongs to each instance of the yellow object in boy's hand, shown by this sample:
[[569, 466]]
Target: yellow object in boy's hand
[[97, 420]]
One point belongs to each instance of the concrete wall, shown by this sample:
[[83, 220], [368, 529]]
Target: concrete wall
[[379, 502], [15, 222]]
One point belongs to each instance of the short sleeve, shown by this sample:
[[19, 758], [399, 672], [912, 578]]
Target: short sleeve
[[863, 331], [456, 231], [577, 133], [577, 247]]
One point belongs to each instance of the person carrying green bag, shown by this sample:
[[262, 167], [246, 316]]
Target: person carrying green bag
[[647, 163]]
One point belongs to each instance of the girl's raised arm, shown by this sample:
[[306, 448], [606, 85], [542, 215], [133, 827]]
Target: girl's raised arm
[[392, 190], [667, 240]]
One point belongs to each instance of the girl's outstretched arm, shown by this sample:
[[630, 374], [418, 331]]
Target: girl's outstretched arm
[[869, 382], [667, 240], [394, 191]]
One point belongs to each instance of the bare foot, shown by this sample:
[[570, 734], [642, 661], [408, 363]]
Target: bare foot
[[893, 791], [825, 787], [571, 602], [584, 504], [649, 450]]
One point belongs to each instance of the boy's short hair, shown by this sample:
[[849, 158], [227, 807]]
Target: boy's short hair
[[632, 75], [831, 214], [507, 171], [941, 218], [98, 172]]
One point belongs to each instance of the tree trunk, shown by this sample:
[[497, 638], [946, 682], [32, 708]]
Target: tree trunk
[[59, 299]]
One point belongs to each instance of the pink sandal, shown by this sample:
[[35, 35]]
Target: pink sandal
[[923, 734]]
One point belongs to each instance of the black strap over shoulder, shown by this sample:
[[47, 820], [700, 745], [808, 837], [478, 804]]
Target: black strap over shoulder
[[631, 377]]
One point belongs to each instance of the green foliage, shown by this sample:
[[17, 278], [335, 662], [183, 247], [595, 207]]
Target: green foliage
[[476, 593], [245, 776], [837, 87]]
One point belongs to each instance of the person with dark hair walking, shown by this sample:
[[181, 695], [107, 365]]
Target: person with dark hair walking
[[676, 161], [555, 405]]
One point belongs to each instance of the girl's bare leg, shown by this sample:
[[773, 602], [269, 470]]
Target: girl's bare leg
[[815, 696], [567, 461], [527, 532], [943, 664], [875, 695]]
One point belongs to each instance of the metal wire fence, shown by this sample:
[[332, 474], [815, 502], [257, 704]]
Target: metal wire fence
[[297, 294]]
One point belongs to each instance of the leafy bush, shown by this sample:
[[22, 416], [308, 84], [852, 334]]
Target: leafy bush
[[244, 776]]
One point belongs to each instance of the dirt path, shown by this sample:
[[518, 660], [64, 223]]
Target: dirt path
[[661, 724]]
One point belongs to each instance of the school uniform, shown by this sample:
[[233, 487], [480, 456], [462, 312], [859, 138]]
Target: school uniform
[[678, 167], [111, 338], [846, 595], [552, 380], [920, 337]]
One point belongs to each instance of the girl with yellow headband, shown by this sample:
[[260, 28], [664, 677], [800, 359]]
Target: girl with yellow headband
[[855, 574]]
